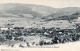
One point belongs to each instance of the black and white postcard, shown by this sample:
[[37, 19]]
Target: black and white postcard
[[45, 24]]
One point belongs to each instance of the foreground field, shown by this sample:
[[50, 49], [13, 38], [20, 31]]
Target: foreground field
[[70, 45]]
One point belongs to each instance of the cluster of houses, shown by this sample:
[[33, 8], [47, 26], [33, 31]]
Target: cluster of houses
[[58, 35]]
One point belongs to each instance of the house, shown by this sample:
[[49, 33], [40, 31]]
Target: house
[[46, 33], [4, 29]]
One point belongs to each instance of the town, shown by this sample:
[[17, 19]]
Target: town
[[53, 35]]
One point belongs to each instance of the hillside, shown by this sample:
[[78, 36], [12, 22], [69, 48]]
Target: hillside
[[18, 9], [38, 11]]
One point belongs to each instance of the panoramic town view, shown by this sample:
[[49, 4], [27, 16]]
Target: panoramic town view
[[29, 25]]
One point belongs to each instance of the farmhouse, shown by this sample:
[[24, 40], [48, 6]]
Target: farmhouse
[[3, 28]]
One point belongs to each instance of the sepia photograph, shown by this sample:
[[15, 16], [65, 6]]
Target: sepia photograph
[[39, 24]]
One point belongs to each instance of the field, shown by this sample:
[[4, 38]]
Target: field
[[30, 22], [73, 45]]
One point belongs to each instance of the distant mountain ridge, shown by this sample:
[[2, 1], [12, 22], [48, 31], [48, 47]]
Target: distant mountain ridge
[[35, 10], [38, 11]]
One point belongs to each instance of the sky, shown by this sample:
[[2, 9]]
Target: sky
[[52, 3]]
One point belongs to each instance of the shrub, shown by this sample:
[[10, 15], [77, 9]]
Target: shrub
[[9, 37], [41, 43]]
